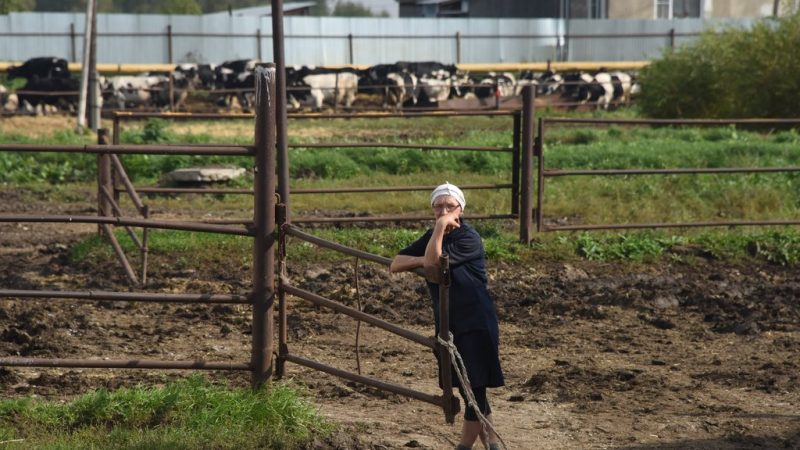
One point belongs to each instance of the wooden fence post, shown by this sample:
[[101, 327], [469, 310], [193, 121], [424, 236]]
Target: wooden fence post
[[263, 294]]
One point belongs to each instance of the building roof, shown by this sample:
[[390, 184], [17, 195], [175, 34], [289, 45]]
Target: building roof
[[267, 10], [431, 2]]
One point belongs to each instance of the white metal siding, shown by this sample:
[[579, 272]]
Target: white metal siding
[[129, 38]]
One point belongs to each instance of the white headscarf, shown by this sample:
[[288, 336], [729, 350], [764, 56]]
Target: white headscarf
[[451, 190]]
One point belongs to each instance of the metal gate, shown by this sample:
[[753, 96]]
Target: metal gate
[[544, 173]]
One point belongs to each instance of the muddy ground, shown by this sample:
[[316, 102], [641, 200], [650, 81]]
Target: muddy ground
[[673, 355]]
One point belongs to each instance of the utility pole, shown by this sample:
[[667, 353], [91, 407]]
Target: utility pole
[[282, 141], [94, 89], [87, 45]]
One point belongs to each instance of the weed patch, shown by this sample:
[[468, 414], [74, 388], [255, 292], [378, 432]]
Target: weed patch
[[185, 414]]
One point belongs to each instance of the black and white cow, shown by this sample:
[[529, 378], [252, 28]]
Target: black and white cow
[[601, 89], [131, 91], [605, 88], [434, 87], [549, 83], [435, 80], [427, 68], [197, 76], [309, 85], [236, 80], [527, 78], [496, 85], [41, 67], [392, 82], [623, 86], [402, 89], [8, 100], [49, 85]]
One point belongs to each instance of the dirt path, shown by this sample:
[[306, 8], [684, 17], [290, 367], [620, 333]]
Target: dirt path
[[660, 356]]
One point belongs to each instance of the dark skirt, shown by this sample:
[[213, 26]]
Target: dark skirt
[[481, 359]]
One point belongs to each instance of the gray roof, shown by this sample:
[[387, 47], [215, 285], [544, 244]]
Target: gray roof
[[267, 10], [431, 2]]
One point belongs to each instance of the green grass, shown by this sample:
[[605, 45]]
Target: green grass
[[185, 414], [575, 199], [181, 250], [780, 247]]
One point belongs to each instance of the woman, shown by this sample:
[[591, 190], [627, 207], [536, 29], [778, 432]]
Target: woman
[[473, 321]]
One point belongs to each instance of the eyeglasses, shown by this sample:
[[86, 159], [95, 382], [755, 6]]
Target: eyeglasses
[[445, 207]]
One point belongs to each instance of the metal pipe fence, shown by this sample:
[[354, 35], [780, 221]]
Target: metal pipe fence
[[543, 173], [263, 224], [521, 143], [446, 401]]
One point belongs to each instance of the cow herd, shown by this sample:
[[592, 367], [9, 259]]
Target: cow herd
[[49, 86]]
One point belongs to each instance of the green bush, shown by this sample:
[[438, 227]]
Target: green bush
[[728, 73]]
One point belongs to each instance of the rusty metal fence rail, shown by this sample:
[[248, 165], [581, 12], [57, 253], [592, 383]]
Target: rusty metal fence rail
[[543, 173], [263, 226], [522, 144]]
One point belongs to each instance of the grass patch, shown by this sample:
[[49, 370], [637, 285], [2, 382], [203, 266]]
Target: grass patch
[[182, 248], [574, 200], [185, 414]]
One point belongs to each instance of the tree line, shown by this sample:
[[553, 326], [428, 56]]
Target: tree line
[[320, 8]]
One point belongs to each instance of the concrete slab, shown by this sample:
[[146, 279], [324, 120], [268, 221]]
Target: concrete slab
[[205, 174]]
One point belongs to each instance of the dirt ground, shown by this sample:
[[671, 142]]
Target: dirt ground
[[659, 356]]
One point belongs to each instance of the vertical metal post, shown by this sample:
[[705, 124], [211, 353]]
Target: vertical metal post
[[283, 332], [264, 224], [258, 44], [540, 177], [280, 106], [87, 42], [350, 47], [672, 38], [93, 100], [335, 92], [73, 54], [458, 47], [169, 44], [103, 178], [496, 92], [449, 402], [145, 240], [567, 23], [115, 139], [515, 154], [525, 213], [171, 92]]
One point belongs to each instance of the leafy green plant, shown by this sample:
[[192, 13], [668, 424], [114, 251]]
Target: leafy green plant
[[632, 246], [155, 131], [787, 137], [777, 248], [724, 72]]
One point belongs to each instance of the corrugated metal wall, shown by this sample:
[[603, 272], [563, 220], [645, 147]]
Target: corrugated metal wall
[[147, 39]]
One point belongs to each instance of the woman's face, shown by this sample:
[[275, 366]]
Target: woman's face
[[445, 204]]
